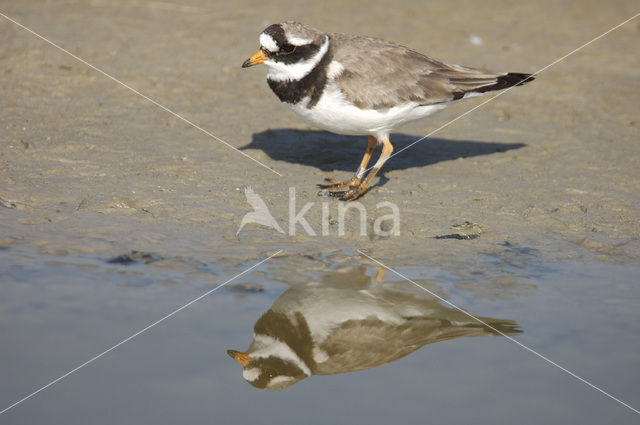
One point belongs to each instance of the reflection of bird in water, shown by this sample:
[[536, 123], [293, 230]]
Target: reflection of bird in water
[[346, 323]]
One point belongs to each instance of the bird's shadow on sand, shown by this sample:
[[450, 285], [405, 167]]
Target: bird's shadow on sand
[[333, 152]]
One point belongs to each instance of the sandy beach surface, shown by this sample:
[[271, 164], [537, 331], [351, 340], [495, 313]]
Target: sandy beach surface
[[89, 167]]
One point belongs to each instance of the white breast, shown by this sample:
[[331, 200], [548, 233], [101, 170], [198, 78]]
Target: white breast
[[335, 113], [324, 309]]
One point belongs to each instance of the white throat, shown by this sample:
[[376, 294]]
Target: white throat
[[278, 71]]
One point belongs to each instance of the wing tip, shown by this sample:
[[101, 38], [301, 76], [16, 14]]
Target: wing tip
[[510, 79], [516, 78]]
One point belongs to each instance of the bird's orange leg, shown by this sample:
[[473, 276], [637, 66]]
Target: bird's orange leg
[[355, 193], [339, 185]]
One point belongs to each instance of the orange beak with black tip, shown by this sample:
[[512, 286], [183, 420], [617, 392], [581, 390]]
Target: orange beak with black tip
[[256, 59], [239, 356]]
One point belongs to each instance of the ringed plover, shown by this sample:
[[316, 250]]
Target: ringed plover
[[356, 85], [348, 322]]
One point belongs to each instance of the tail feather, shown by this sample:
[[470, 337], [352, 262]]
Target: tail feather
[[505, 81]]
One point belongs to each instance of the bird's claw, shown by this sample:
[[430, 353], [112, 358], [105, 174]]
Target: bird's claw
[[339, 185], [355, 193], [345, 191]]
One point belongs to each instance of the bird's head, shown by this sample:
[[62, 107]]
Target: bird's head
[[271, 373], [290, 50]]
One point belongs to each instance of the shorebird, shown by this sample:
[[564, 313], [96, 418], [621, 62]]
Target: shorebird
[[349, 322], [350, 84]]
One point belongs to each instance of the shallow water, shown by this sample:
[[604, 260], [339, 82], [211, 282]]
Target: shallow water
[[421, 360]]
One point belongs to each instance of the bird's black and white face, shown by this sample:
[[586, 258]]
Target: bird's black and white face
[[290, 50], [280, 354], [271, 372]]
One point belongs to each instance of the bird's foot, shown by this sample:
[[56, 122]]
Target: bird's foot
[[339, 185], [345, 191], [337, 188], [354, 193]]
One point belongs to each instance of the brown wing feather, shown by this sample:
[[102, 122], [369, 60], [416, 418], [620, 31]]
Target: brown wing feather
[[379, 74], [363, 344]]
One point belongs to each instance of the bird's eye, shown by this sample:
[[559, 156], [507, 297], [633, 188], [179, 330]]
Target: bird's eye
[[287, 49]]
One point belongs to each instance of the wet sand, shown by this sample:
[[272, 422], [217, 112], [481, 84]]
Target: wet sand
[[88, 167]]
